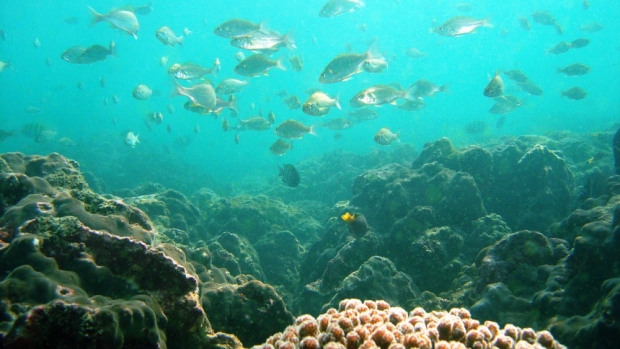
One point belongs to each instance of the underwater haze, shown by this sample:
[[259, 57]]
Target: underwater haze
[[88, 120]]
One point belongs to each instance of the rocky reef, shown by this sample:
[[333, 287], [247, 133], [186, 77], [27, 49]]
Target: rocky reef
[[523, 233]]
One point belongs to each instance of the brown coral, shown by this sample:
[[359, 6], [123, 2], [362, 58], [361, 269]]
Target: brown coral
[[377, 325]]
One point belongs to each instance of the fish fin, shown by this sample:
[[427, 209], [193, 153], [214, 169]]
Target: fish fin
[[289, 40], [97, 17], [280, 63], [313, 130], [337, 101], [372, 52]]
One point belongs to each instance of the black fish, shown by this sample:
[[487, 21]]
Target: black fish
[[289, 174], [358, 226]]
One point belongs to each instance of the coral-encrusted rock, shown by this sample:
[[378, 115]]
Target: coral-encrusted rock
[[332, 267], [254, 216], [600, 328], [462, 202], [515, 260], [532, 189], [236, 254], [252, 311], [280, 257], [376, 278]]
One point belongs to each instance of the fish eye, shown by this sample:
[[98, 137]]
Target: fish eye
[[360, 97], [323, 75]]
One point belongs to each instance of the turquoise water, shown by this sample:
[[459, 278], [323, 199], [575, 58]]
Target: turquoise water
[[464, 63]]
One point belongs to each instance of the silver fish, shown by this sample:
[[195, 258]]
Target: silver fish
[[386, 137], [575, 69], [344, 66], [201, 94], [291, 129], [319, 103], [167, 37], [230, 86], [380, 94], [121, 19], [575, 93], [258, 64], [236, 27], [460, 25], [189, 71], [334, 8]]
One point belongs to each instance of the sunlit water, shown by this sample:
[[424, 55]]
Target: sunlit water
[[464, 63]]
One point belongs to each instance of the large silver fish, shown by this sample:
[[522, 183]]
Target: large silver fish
[[121, 19]]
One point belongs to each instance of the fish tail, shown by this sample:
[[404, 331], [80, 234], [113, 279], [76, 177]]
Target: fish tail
[[280, 63], [410, 93], [485, 23], [337, 101], [232, 104], [373, 50], [180, 40], [216, 67], [313, 130], [289, 40], [177, 90], [444, 88], [97, 17]]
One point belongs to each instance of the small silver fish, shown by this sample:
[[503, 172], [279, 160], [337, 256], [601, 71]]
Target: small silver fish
[[121, 19], [142, 92], [291, 129], [296, 63], [237, 27], [460, 25], [334, 8], [201, 94], [131, 139], [258, 64], [575, 69], [167, 37], [280, 147], [319, 103], [230, 86], [344, 66], [386, 137]]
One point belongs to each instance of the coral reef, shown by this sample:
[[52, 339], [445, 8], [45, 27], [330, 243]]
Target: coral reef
[[376, 324]]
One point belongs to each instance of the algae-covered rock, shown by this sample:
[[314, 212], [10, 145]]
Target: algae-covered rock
[[252, 311]]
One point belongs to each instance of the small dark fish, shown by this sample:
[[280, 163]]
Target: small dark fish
[[579, 43], [592, 27], [143, 10], [505, 104], [4, 135], [71, 20], [516, 75], [545, 18], [530, 88], [500, 121], [575, 93], [495, 87], [289, 175], [560, 48], [585, 4], [524, 23], [358, 226], [475, 127], [575, 69]]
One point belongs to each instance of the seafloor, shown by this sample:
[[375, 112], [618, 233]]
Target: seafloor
[[518, 233]]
